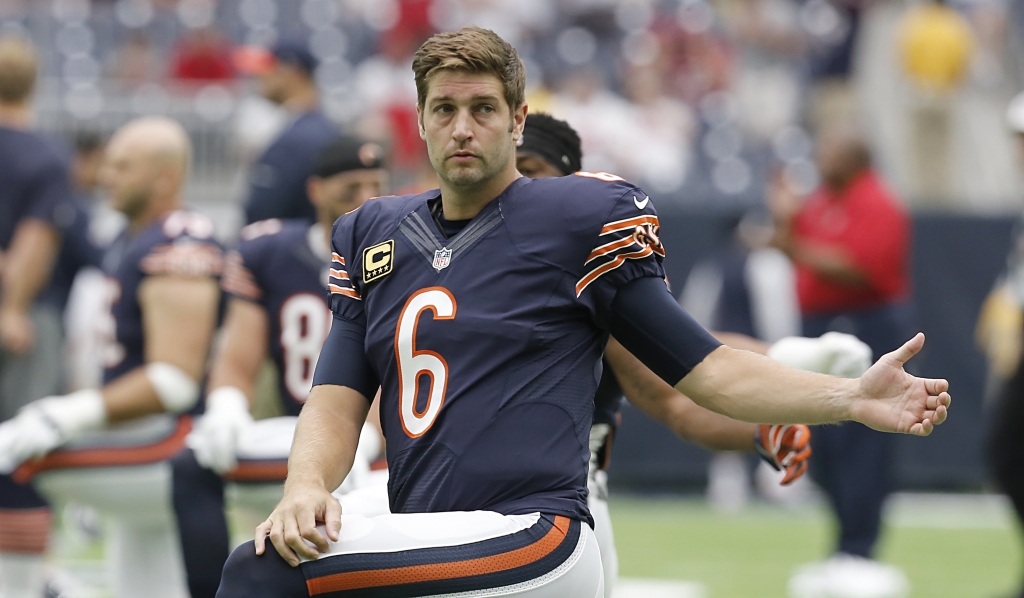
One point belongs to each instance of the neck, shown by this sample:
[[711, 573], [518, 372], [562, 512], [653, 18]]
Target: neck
[[303, 99], [463, 203], [153, 212], [15, 116]]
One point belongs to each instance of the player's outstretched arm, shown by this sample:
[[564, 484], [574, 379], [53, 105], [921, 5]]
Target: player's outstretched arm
[[753, 388], [784, 447], [323, 450]]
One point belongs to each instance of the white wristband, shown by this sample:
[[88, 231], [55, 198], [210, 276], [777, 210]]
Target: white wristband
[[177, 391]]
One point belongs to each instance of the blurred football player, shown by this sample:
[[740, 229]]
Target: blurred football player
[[276, 282], [482, 310], [163, 297], [550, 147], [35, 197], [277, 182]]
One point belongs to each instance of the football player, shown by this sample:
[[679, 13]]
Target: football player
[[34, 196], [108, 447], [550, 147], [481, 310], [276, 282]]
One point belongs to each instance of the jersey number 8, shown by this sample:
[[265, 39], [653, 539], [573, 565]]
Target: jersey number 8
[[413, 363], [305, 322]]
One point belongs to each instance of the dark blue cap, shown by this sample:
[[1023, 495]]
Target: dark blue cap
[[295, 53]]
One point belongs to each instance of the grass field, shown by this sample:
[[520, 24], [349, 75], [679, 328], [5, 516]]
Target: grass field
[[951, 546], [955, 547]]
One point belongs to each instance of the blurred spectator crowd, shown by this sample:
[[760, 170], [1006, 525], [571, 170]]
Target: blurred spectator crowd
[[700, 101]]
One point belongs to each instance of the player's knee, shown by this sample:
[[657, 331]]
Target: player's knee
[[239, 571], [247, 575]]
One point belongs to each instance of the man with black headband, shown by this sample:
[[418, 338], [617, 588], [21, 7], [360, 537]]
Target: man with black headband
[[551, 147], [276, 281]]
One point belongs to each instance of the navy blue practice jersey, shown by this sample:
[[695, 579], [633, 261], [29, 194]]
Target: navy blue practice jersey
[[282, 267], [179, 244], [34, 181], [486, 343]]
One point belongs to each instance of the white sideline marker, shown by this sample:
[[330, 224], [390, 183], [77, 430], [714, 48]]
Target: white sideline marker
[[628, 587]]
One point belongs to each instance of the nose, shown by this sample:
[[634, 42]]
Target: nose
[[463, 126]]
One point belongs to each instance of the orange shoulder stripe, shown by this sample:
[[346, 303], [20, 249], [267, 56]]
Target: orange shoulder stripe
[[628, 223], [609, 266], [609, 248], [343, 291]]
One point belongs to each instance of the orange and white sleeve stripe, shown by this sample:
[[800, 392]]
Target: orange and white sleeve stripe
[[338, 282], [239, 280], [629, 239]]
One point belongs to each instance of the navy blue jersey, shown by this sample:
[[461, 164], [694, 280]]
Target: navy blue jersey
[[277, 184], [77, 251], [486, 343], [178, 244], [34, 180], [282, 266]]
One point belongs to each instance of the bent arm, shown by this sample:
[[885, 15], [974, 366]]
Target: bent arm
[[326, 437], [242, 347], [179, 316], [652, 395]]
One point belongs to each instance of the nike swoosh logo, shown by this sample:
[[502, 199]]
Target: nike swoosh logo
[[641, 204]]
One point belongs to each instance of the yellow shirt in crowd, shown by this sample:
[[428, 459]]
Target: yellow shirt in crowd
[[936, 45]]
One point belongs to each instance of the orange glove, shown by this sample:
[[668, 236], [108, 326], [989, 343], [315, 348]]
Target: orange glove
[[784, 447]]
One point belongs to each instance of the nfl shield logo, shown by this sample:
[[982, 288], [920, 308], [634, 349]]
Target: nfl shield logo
[[442, 257]]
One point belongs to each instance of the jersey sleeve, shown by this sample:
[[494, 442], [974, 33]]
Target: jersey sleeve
[[244, 264], [185, 247], [345, 298], [626, 246]]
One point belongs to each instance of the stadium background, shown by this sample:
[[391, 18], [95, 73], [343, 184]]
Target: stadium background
[[700, 102]]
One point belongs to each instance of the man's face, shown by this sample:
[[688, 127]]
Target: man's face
[[274, 83], [535, 167], [129, 176], [340, 194], [468, 127], [86, 168]]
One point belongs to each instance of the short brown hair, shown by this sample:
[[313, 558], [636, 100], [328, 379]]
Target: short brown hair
[[473, 50], [17, 69]]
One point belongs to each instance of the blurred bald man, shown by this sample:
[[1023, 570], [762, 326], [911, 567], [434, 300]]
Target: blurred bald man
[[108, 447]]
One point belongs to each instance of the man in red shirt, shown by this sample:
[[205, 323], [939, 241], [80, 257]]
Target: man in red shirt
[[850, 243]]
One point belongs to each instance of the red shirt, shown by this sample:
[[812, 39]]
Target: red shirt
[[870, 227]]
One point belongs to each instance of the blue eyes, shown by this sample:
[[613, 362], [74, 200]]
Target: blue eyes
[[448, 109]]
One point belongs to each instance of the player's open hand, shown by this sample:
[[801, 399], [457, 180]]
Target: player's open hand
[[292, 527], [891, 400]]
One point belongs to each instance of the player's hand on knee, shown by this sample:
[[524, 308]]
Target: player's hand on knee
[[785, 447], [43, 425], [215, 437], [891, 400], [292, 527], [833, 353]]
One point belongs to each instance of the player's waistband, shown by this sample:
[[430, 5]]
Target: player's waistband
[[165, 442], [527, 557]]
